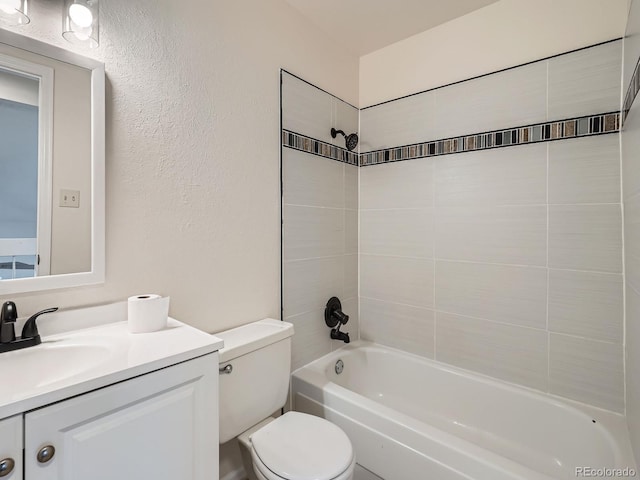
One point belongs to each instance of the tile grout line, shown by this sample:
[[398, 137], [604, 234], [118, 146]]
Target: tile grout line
[[477, 205], [624, 281], [547, 266], [488, 320], [434, 166], [474, 262]]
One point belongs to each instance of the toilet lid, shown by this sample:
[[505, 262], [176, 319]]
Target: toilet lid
[[297, 446]]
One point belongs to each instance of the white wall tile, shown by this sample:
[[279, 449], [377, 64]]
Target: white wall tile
[[345, 118], [311, 339], [630, 144], [400, 326], [503, 176], [585, 170], [313, 232], [502, 100], [507, 294], [311, 180], [397, 185], [587, 371], [308, 284], [351, 232], [585, 82], [505, 234], [633, 364], [632, 240], [351, 186], [395, 279], [585, 237], [632, 268], [586, 304], [512, 353], [403, 232], [306, 109], [350, 268], [400, 122]]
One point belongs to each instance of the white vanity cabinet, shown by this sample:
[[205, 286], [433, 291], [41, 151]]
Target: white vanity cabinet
[[11, 448], [160, 426]]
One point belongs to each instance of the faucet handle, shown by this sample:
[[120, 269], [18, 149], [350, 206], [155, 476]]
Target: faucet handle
[[9, 312], [8, 316], [30, 329], [333, 314]]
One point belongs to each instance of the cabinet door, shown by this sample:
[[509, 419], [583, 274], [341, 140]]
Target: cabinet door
[[160, 426], [11, 448]]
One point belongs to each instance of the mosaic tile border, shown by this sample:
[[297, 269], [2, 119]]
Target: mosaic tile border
[[316, 147], [541, 132], [632, 91]]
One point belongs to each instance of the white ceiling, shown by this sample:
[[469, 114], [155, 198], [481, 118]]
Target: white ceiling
[[363, 26]]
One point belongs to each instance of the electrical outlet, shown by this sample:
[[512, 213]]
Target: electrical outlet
[[70, 198]]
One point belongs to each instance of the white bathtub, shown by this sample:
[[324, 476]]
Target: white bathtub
[[410, 418]]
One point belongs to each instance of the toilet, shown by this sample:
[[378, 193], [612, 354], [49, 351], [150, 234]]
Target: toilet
[[255, 366]]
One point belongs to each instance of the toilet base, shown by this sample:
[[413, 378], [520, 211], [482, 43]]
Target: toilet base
[[245, 448]]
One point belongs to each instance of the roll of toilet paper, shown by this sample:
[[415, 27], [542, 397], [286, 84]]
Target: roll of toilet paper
[[147, 313]]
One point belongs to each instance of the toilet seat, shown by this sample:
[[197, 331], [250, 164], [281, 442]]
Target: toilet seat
[[297, 446]]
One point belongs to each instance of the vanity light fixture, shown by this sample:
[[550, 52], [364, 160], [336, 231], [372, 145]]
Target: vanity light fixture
[[13, 12], [80, 22]]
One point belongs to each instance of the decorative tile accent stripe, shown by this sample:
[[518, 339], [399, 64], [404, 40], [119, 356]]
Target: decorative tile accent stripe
[[542, 132], [316, 147], [632, 91]]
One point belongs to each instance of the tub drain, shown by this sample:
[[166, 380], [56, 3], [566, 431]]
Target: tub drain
[[339, 367]]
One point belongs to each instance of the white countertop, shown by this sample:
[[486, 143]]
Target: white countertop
[[79, 361]]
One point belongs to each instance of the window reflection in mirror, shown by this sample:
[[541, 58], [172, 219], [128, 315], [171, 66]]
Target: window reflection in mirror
[[19, 98], [45, 166]]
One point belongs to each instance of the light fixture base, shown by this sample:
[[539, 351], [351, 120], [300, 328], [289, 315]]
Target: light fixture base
[[80, 22]]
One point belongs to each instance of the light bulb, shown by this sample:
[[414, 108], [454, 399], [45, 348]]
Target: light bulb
[[9, 6], [79, 14]]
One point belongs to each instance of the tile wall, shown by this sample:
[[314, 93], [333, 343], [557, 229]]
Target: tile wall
[[320, 216], [505, 261], [631, 201]]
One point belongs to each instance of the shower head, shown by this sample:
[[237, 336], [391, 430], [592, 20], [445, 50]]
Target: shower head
[[351, 140]]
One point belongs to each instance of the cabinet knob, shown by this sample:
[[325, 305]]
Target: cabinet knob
[[6, 466], [46, 453]]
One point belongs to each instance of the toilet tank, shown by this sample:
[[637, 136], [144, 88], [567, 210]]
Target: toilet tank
[[260, 357]]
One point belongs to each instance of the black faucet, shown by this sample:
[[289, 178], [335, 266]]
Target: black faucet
[[29, 337], [333, 315]]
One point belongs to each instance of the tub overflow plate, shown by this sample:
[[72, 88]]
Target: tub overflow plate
[[339, 366]]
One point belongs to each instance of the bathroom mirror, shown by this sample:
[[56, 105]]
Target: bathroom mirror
[[52, 127]]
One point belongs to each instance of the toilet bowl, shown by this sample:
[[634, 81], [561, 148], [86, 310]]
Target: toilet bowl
[[297, 446], [254, 376]]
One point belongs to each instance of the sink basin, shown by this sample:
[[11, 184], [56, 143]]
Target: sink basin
[[51, 362]]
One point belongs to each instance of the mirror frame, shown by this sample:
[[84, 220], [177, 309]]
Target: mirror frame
[[97, 273]]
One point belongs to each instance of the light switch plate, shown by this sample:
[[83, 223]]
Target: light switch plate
[[70, 198]]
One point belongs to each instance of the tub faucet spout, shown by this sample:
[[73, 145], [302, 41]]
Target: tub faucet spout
[[336, 334]]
